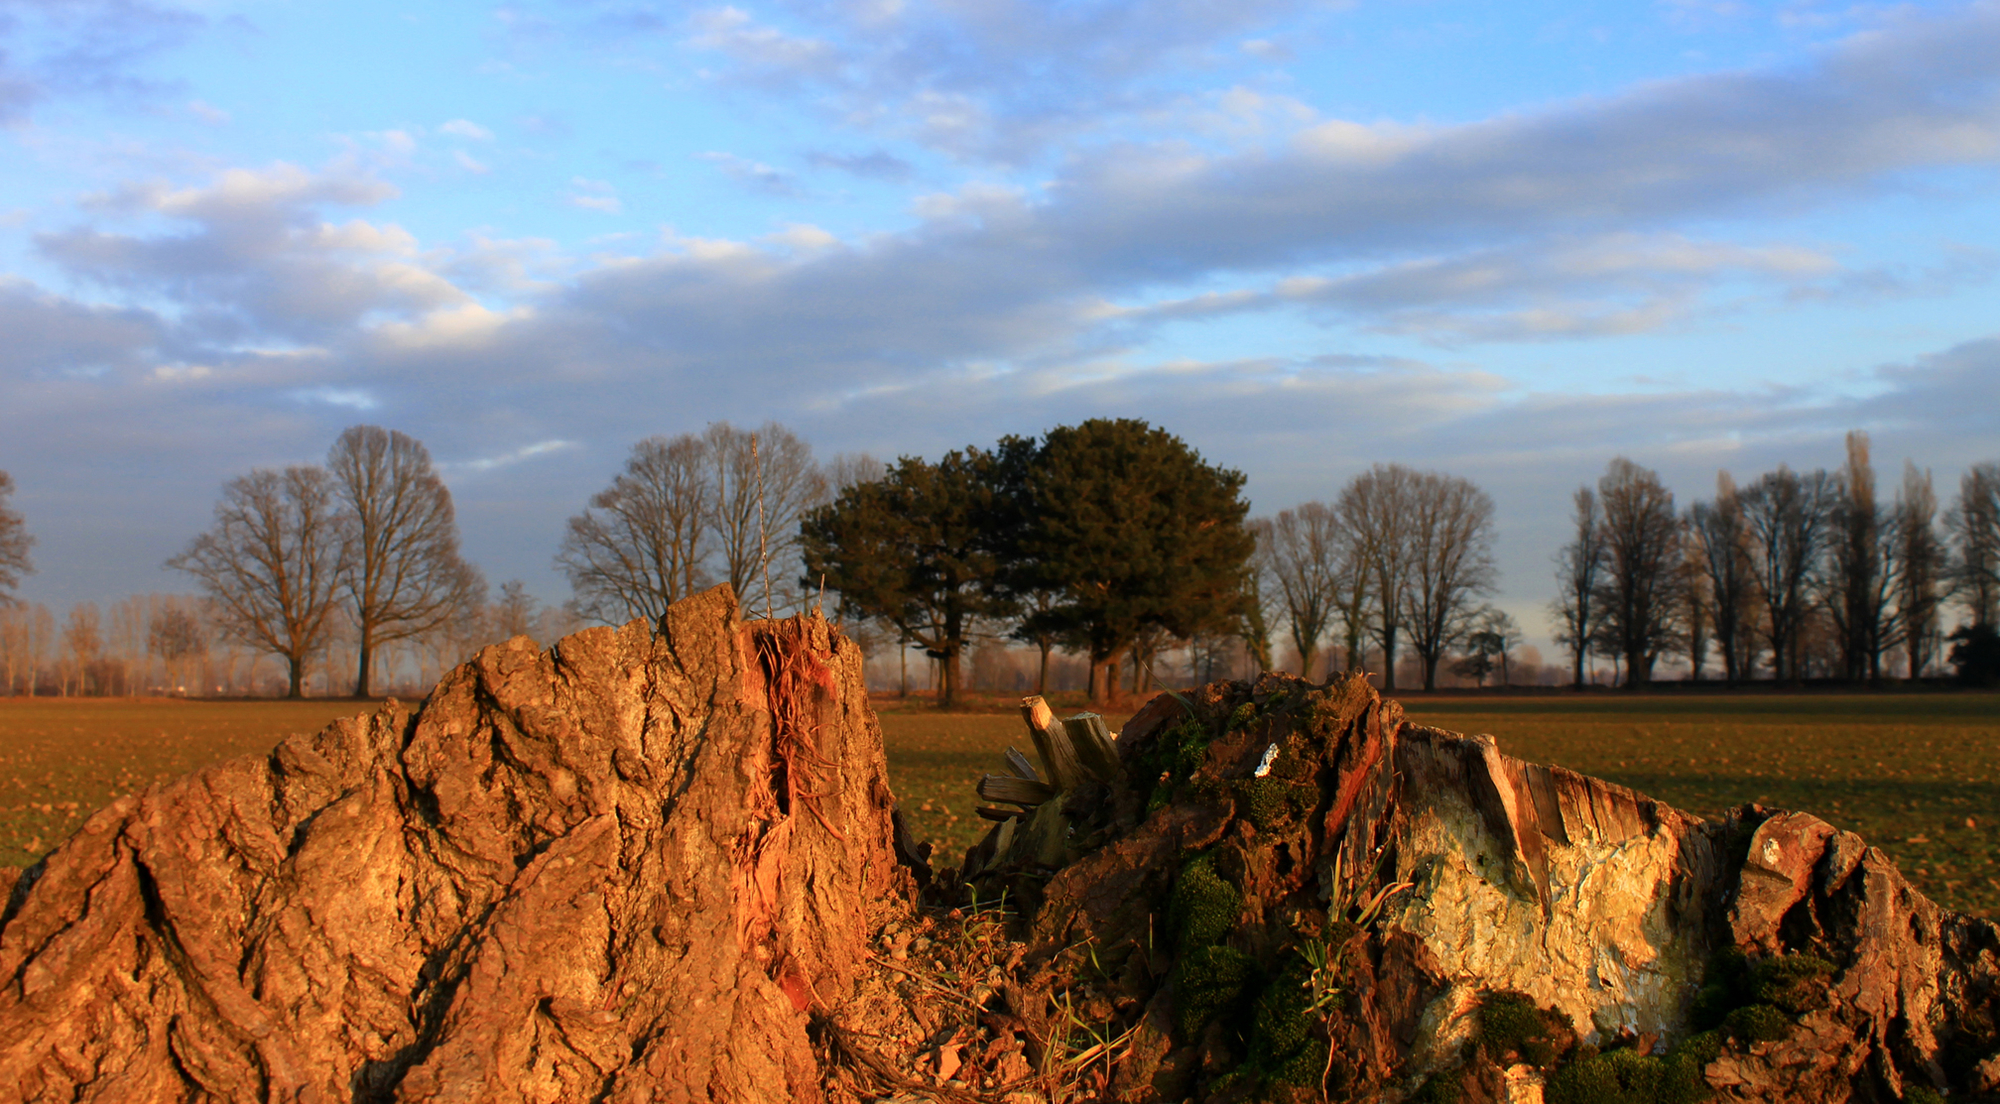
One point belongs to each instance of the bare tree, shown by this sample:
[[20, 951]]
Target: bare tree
[[84, 643], [1788, 518], [514, 614], [1863, 568], [1920, 584], [175, 634], [273, 563], [1975, 523], [764, 483], [640, 546], [1639, 590], [405, 576], [1578, 566], [1305, 552], [1697, 601], [1724, 538], [1375, 508], [849, 468], [1450, 542], [14, 544]]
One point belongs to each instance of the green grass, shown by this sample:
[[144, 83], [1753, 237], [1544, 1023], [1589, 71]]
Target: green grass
[[1906, 770], [62, 759], [935, 760]]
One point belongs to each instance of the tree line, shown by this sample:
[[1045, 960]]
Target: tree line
[[1798, 574], [1112, 539]]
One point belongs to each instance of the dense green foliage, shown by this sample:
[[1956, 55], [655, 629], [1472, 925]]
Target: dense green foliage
[[919, 549], [1102, 536], [1137, 533]]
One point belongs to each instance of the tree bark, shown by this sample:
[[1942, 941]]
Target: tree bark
[[634, 867]]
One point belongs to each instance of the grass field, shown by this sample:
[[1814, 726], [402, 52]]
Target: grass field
[[1917, 774]]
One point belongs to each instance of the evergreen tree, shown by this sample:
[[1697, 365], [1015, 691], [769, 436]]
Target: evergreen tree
[[1140, 533], [919, 550]]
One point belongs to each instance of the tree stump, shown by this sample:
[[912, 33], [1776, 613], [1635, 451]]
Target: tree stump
[[628, 868]]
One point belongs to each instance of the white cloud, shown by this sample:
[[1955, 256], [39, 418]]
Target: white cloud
[[484, 464], [754, 175], [470, 164], [466, 128], [595, 195], [351, 398]]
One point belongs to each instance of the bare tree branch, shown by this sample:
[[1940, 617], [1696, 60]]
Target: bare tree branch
[[1640, 595], [640, 546], [273, 563], [14, 545], [1306, 550], [1450, 541], [405, 576], [792, 484], [1375, 508], [1578, 566]]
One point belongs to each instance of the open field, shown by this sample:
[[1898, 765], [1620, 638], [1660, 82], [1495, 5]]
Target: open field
[[1917, 774], [62, 759]]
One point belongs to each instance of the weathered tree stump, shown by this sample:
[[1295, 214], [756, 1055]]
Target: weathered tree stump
[[627, 868]]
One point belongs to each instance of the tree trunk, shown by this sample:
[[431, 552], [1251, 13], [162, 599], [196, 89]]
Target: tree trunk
[[1104, 678], [1389, 660], [367, 661], [1042, 672], [948, 677], [641, 872], [295, 674]]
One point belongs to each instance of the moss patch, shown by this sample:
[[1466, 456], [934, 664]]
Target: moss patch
[[1204, 907], [1512, 1024], [1208, 982]]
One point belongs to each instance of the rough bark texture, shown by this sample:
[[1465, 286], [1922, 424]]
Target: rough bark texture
[[623, 869], [1455, 894], [662, 865]]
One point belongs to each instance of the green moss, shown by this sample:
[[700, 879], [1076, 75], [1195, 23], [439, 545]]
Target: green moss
[[1204, 907], [1285, 1047], [1921, 1094], [1628, 1077], [1274, 800], [1173, 754], [1241, 719], [1441, 1088], [1782, 984], [1795, 983], [1757, 1023], [1209, 981], [1512, 1023]]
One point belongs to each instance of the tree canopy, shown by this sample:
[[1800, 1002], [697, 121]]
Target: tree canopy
[[918, 549], [1141, 533]]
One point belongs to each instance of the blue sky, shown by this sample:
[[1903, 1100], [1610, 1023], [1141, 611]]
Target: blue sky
[[1505, 241]]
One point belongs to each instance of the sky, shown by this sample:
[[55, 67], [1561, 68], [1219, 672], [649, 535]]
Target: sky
[[1505, 241]]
